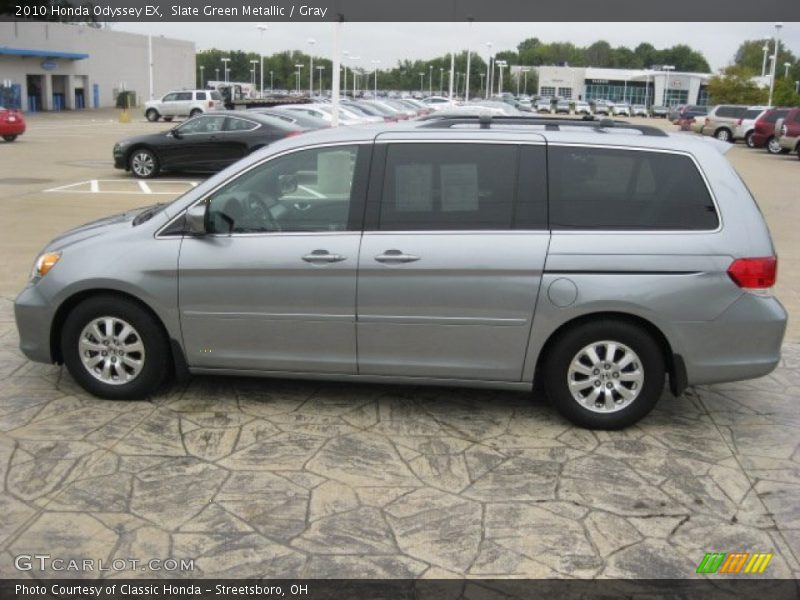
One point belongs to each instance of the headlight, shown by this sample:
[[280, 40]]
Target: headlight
[[43, 264]]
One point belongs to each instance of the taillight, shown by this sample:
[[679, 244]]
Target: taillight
[[754, 273], [210, 104], [292, 133], [739, 122]]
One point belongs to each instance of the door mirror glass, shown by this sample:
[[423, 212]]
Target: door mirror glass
[[176, 133], [287, 184], [196, 219]]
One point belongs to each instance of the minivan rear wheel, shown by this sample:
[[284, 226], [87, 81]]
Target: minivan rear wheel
[[114, 348], [605, 374], [773, 147]]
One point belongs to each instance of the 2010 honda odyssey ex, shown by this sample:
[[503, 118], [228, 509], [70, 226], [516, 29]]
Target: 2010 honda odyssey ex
[[602, 257]]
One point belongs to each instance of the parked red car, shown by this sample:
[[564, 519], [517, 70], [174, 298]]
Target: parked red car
[[764, 130], [12, 124]]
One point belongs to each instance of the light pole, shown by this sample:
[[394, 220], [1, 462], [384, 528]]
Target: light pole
[[430, 80], [311, 42], [353, 73], [502, 65], [320, 69], [786, 66], [271, 87], [489, 70], [666, 68], [466, 79], [483, 77], [525, 74], [253, 70], [262, 28], [421, 79], [298, 67], [376, 63], [346, 54], [225, 62], [202, 79], [764, 62], [216, 76], [774, 62], [458, 75], [441, 80], [797, 87]]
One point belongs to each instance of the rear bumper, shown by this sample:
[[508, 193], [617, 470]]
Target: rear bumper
[[788, 142], [12, 128], [744, 342]]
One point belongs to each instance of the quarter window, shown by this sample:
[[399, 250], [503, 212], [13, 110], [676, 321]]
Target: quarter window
[[206, 124], [234, 124], [309, 190], [201, 95], [600, 188], [448, 186]]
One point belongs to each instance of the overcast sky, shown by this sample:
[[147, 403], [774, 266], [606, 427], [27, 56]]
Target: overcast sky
[[390, 42]]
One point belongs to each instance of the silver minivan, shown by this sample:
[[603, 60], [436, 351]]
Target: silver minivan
[[603, 259]]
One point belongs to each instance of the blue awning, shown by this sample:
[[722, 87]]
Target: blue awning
[[5, 50]]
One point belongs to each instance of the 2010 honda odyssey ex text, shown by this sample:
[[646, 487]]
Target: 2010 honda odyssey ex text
[[604, 258]]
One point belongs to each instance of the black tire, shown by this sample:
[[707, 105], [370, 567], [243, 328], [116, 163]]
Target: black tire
[[748, 139], [723, 134], [195, 112], [564, 349], [143, 163], [9, 138], [773, 147], [151, 114], [157, 357]]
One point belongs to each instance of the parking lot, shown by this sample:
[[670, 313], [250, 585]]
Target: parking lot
[[260, 478]]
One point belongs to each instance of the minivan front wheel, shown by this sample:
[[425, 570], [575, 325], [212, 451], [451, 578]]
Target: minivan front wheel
[[723, 135], [605, 374], [114, 348]]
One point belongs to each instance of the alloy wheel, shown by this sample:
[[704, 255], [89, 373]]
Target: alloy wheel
[[143, 164], [111, 350], [605, 376]]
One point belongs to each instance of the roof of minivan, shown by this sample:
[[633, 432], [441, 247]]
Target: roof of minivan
[[501, 132]]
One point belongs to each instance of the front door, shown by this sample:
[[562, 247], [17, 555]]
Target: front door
[[451, 264], [272, 287], [195, 145]]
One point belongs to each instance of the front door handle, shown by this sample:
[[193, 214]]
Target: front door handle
[[395, 256], [323, 256]]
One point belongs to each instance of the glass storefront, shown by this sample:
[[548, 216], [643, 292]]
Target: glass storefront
[[675, 97], [632, 92]]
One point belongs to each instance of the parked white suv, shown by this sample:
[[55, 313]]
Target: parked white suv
[[183, 103]]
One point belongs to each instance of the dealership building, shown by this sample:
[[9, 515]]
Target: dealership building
[[636, 86], [59, 66]]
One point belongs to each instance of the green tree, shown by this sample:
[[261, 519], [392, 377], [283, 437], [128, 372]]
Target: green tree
[[750, 56], [785, 93], [735, 86]]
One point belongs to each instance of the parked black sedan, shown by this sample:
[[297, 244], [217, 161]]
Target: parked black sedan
[[207, 143]]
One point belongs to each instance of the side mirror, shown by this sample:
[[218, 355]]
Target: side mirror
[[287, 184], [176, 133], [196, 219]]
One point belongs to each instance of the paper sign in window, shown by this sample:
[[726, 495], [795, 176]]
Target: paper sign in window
[[459, 187], [413, 188]]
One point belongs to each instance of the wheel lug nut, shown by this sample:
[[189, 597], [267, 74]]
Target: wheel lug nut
[[596, 372], [597, 383], [609, 385], [615, 375], [606, 366], [104, 353]]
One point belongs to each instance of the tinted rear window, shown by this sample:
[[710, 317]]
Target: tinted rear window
[[730, 112], [774, 115], [598, 188], [752, 114]]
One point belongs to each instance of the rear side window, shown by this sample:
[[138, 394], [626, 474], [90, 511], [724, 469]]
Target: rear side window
[[731, 112], [448, 187], [599, 188]]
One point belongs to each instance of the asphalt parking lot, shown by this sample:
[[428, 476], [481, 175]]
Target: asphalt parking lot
[[260, 478]]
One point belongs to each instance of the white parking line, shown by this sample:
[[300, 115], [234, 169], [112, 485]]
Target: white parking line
[[123, 186]]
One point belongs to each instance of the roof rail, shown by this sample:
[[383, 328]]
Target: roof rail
[[440, 121]]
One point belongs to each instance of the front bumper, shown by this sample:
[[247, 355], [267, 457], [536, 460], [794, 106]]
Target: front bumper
[[34, 321], [119, 159]]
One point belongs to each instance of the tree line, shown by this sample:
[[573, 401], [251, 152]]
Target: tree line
[[433, 75]]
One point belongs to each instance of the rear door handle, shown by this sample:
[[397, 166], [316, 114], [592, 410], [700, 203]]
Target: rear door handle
[[395, 256], [323, 256]]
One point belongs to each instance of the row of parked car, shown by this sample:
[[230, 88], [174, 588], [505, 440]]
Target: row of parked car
[[776, 129]]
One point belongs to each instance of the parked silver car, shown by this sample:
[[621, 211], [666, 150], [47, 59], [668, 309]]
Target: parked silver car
[[618, 257]]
